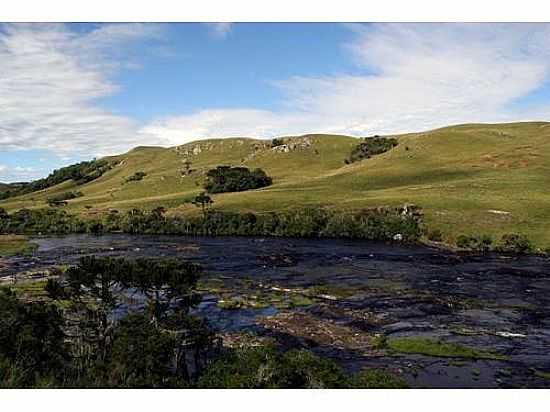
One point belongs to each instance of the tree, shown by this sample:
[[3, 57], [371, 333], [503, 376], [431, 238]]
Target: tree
[[55, 289], [235, 179], [32, 338], [169, 289], [141, 354], [168, 284], [101, 280], [204, 202]]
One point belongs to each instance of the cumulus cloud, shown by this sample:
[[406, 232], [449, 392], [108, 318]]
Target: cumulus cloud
[[411, 77], [19, 173], [416, 77], [51, 79], [219, 30]]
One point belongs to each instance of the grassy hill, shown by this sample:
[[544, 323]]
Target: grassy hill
[[469, 179]]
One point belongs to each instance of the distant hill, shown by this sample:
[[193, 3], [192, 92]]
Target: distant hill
[[474, 178]]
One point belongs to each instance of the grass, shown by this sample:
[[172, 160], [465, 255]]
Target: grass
[[377, 379], [30, 290], [430, 347], [541, 374], [15, 244], [459, 175]]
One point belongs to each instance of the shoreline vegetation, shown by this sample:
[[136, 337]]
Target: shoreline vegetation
[[398, 224]]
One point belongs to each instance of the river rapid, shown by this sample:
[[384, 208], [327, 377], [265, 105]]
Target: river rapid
[[334, 296]]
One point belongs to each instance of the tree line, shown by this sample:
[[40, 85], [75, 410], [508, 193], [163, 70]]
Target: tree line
[[368, 224], [80, 173]]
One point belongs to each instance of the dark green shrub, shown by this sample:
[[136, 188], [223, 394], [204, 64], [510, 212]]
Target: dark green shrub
[[235, 179], [514, 243], [264, 367], [55, 290], [435, 235], [371, 146], [376, 379], [141, 355], [136, 177], [303, 369], [277, 142], [64, 196], [31, 339], [480, 243]]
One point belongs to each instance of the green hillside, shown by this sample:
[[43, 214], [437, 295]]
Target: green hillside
[[469, 179]]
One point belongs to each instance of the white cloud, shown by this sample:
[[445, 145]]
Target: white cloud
[[227, 123], [414, 77], [219, 30], [417, 76], [51, 79], [20, 174]]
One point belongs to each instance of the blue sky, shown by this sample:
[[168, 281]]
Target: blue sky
[[199, 70], [76, 91]]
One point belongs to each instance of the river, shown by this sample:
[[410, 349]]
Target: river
[[490, 302]]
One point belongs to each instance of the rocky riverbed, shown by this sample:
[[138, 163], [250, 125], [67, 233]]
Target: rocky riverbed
[[435, 318]]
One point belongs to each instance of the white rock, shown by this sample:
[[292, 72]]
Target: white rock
[[510, 335]]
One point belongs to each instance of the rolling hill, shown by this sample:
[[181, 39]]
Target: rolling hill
[[469, 179]]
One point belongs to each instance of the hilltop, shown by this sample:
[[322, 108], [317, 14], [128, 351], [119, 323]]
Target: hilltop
[[469, 179]]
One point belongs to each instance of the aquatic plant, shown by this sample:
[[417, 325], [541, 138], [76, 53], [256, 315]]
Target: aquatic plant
[[431, 347]]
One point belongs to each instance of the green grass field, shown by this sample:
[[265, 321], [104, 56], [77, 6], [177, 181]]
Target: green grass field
[[469, 179]]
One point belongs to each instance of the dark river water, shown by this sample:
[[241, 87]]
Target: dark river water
[[493, 303]]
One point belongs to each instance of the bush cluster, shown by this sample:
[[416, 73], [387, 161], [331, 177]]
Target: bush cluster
[[477, 243], [62, 197], [371, 146], [265, 368], [508, 243], [136, 177], [235, 179], [514, 243]]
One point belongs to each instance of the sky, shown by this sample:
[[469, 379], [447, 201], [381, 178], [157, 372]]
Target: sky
[[72, 92]]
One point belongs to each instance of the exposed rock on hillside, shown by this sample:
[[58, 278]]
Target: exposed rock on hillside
[[302, 143]]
